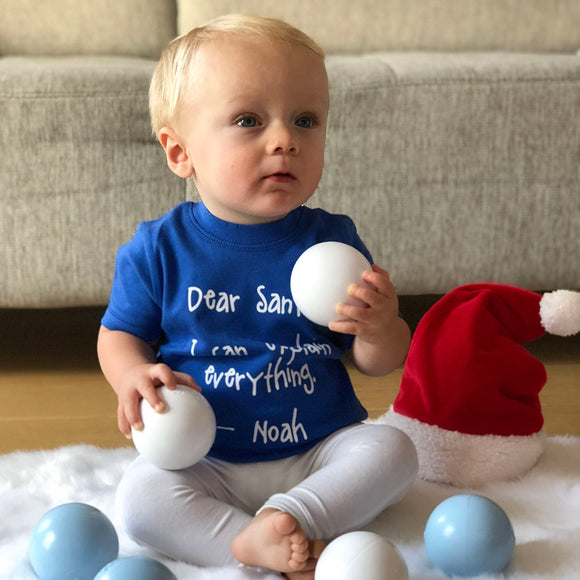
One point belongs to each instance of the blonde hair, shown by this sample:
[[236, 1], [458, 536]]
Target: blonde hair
[[173, 76]]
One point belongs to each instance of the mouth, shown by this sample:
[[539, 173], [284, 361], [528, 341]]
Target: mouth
[[280, 177]]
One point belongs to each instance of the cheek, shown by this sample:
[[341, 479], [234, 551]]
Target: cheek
[[240, 162], [317, 148], [236, 167], [317, 161]]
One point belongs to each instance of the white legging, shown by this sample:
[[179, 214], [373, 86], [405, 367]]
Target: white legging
[[339, 485]]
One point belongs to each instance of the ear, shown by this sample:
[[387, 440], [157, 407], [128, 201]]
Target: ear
[[177, 155]]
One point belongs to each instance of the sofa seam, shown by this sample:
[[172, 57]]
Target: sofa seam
[[456, 82]]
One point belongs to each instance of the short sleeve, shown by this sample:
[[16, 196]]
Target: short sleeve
[[134, 305]]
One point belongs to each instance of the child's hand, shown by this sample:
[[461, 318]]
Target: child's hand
[[372, 320], [382, 337], [141, 382]]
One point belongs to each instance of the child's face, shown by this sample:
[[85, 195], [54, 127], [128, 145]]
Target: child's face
[[254, 128]]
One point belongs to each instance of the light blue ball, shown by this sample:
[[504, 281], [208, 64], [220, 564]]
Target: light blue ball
[[72, 541], [469, 535], [135, 568]]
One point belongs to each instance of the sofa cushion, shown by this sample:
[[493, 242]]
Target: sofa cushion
[[79, 169], [344, 26], [70, 27], [459, 168]]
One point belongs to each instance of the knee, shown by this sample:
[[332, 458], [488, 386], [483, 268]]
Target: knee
[[135, 503], [390, 463], [393, 454], [398, 450]]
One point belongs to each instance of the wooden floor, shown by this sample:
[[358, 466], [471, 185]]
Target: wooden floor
[[52, 392]]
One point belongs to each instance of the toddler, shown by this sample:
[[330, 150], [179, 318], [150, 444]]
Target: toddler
[[201, 297]]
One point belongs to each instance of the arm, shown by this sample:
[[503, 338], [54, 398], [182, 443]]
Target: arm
[[382, 337], [129, 364]]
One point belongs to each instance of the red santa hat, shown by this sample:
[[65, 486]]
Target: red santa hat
[[469, 392]]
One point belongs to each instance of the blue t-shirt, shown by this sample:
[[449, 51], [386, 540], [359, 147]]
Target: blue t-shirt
[[215, 296]]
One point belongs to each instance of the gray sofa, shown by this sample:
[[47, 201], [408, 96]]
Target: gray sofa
[[453, 141]]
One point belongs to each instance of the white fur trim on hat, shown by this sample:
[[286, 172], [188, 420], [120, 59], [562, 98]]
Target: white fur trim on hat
[[560, 312], [465, 460]]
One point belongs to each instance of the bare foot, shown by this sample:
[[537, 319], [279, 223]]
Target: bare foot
[[307, 573], [274, 540]]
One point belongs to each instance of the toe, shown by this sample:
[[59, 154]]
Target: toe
[[285, 524], [296, 565], [300, 544], [300, 556]]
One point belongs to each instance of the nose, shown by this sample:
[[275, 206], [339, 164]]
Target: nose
[[282, 140]]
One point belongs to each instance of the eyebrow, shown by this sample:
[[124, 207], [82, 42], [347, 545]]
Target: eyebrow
[[250, 101]]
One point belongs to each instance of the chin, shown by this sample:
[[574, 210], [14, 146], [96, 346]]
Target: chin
[[281, 207]]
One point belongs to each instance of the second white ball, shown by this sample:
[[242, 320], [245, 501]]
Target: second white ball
[[182, 434], [321, 278]]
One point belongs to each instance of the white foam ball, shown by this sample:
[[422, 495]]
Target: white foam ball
[[361, 556], [182, 434], [321, 277]]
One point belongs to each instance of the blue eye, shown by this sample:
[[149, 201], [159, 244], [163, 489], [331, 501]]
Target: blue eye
[[247, 122], [304, 122]]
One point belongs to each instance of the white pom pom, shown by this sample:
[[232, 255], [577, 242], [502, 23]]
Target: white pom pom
[[560, 312]]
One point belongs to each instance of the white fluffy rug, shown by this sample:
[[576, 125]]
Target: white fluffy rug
[[544, 508]]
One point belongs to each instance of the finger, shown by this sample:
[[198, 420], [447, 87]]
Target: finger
[[132, 412], [187, 381], [345, 327], [164, 376], [123, 423], [380, 280], [151, 395], [371, 297], [171, 379], [356, 314], [382, 271]]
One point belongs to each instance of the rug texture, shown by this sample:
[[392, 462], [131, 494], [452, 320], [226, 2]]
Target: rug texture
[[544, 508]]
